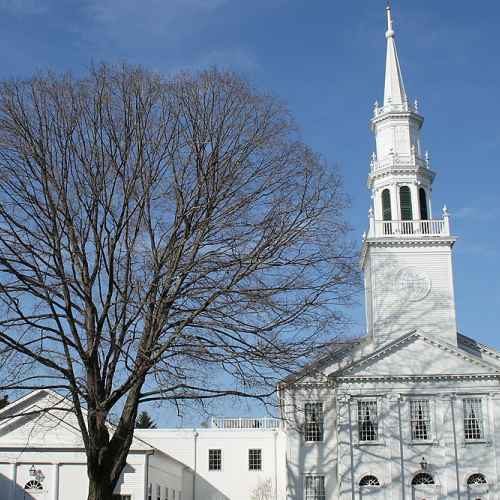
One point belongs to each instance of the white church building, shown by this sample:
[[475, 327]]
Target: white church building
[[410, 411]]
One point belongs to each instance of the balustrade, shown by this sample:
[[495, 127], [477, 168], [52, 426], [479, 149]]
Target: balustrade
[[245, 423], [408, 228]]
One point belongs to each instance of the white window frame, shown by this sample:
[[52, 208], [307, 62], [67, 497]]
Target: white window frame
[[320, 496], [432, 420], [221, 460], [484, 417], [260, 458], [321, 424], [377, 401]]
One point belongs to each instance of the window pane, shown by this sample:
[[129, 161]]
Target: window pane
[[214, 460], [420, 418], [367, 421], [422, 478], [369, 481], [476, 479], [314, 488], [473, 419], [254, 459], [313, 427]]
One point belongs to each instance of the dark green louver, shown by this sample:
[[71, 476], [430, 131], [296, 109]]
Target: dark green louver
[[386, 205], [422, 198], [405, 198]]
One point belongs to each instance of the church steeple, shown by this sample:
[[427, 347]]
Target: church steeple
[[406, 254], [394, 91]]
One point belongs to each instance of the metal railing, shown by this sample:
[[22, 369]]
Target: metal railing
[[245, 423]]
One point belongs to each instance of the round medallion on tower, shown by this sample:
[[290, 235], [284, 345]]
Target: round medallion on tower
[[412, 284]]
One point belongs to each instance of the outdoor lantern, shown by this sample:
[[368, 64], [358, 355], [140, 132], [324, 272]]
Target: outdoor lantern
[[423, 464]]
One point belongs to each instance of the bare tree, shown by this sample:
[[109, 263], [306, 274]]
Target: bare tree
[[264, 490], [155, 235]]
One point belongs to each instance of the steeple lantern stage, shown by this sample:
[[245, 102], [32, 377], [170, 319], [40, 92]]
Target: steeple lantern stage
[[406, 258]]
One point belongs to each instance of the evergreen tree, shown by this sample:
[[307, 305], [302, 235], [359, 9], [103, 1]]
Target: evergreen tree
[[144, 421]]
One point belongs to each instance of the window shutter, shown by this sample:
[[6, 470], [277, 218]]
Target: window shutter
[[422, 198], [405, 198], [386, 205]]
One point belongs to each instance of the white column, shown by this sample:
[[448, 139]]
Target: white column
[[493, 408], [55, 481], [396, 205], [414, 201], [13, 485], [429, 201]]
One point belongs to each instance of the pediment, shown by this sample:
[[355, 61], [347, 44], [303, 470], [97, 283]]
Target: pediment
[[41, 430], [417, 355], [43, 419]]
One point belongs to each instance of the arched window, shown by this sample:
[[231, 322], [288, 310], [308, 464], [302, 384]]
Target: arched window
[[422, 199], [33, 485], [422, 478], [369, 481], [405, 200], [476, 479], [386, 205]]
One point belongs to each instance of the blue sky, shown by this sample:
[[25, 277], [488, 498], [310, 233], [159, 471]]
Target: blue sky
[[325, 58]]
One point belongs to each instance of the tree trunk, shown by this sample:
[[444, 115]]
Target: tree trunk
[[100, 488]]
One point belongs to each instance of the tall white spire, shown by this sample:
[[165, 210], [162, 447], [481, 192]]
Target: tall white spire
[[406, 253], [394, 92]]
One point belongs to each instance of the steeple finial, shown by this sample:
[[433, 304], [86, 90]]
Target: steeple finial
[[390, 31], [394, 91]]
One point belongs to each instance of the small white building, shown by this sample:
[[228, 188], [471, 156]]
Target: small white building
[[409, 412], [42, 457], [232, 459]]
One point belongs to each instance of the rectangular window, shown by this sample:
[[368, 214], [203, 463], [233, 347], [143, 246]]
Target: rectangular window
[[254, 459], [166, 493], [150, 492], [313, 427], [173, 494], [367, 420], [158, 492], [214, 460], [122, 497], [314, 488], [420, 420], [473, 419]]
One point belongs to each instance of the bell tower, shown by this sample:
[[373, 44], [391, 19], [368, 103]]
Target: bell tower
[[407, 254]]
